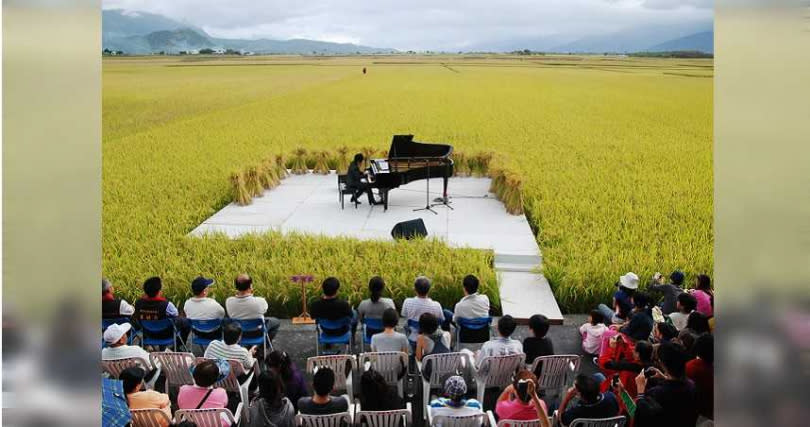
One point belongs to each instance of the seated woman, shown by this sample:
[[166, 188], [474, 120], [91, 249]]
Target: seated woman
[[429, 340], [203, 394], [294, 385], [454, 403], [272, 408], [519, 401], [137, 398], [376, 394], [389, 339], [374, 306]]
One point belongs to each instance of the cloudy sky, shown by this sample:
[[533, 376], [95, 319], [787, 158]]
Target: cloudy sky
[[421, 24]]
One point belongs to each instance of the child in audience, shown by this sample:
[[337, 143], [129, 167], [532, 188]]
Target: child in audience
[[537, 344], [686, 305], [592, 332], [504, 344], [663, 332]]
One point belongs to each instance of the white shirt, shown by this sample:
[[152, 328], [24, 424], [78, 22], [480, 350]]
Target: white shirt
[[125, 308], [246, 307], [219, 350], [125, 352], [592, 336], [679, 320], [498, 347], [472, 307], [414, 307], [203, 309]]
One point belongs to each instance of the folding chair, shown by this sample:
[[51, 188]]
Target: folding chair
[[254, 333], [231, 383], [411, 326], [149, 418], [105, 323], [618, 421], [519, 423], [484, 419], [370, 327], [330, 332], [114, 367], [154, 333], [331, 420], [392, 365], [175, 366], [392, 418], [442, 365], [205, 331], [338, 363], [211, 417], [496, 371], [556, 372], [476, 324]]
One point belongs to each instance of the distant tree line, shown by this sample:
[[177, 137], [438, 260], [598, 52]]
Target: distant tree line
[[674, 54], [526, 52]]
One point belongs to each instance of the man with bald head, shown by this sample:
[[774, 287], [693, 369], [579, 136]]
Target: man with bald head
[[245, 306]]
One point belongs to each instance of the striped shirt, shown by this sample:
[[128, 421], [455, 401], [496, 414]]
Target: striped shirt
[[414, 307], [444, 406], [219, 350]]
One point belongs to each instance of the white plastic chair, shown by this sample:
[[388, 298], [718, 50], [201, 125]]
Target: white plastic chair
[[337, 363], [497, 371], [557, 371], [618, 421], [231, 384], [519, 423], [483, 419], [151, 417], [114, 367], [392, 365], [331, 420], [175, 366], [210, 417], [441, 366], [392, 418]]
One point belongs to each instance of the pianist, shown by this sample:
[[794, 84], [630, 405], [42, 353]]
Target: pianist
[[357, 181]]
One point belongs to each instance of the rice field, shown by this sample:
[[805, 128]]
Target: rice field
[[614, 155]]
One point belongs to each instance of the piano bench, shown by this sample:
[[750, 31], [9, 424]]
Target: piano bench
[[343, 191]]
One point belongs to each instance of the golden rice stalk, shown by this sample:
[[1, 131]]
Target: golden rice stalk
[[321, 163], [342, 157], [269, 176], [368, 152], [299, 163], [479, 164], [241, 195], [281, 166], [253, 182], [460, 165]]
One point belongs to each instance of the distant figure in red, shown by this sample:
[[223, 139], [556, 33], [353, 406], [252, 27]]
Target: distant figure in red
[[364, 70]]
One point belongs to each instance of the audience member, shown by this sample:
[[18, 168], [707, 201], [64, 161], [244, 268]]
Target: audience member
[[675, 393], [429, 341], [663, 332], [698, 323], [687, 339], [376, 394], [503, 345], [154, 306], [202, 394], [200, 306], [330, 307], [113, 307], [454, 403], [116, 338], [375, 305], [321, 403], [701, 371], [628, 369], [473, 305], [414, 307], [228, 348], [138, 398], [641, 322], [294, 385], [685, 305], [670, 290], [591, 332], [591, 404], [704, 295], [271, 408], [622, 300], [648, 413], [389, 339], [537, 343], [519, 401], [246, 306]]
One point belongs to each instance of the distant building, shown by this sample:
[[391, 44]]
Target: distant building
[[219, 51], [193, 51]]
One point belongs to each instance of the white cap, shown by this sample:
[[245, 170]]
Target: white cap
[[629, 280], [114, 332]]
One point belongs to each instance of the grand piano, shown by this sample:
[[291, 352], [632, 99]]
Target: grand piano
[[408, 161]]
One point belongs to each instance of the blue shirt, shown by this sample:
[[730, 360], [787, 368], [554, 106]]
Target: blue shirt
[[625, 303]]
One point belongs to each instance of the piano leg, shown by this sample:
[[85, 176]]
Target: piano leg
[[385, 200]]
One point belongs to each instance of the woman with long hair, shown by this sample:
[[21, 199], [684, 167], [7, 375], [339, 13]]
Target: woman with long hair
[[704, 295], [295, 387], [271, 408], [376, 394]]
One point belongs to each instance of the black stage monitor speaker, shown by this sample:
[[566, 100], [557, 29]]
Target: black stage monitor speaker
[[409, 229]]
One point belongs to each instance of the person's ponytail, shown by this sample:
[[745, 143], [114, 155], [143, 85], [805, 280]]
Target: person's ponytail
[[375, 288]]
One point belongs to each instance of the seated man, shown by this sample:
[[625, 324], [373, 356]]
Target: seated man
[[113, 307], [330, 307], [154, 306], [138, 398], [472, 306], [245, 306], [454, 403], [592, 403], [504, 344], [686, 304], [322, 403], [414, 307], [116, 338], [200, 306], [674, 392], [229, 347]]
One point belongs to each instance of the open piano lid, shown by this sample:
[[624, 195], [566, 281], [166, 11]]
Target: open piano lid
[[403, 146]]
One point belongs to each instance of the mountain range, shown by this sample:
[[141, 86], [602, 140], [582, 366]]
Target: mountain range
[[146, 33]]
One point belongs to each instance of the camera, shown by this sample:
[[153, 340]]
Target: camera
[[615, 382], [649, 373]]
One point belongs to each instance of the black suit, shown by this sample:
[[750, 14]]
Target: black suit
[[354, 181]]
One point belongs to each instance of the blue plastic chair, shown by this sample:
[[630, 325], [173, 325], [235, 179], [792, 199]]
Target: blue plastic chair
[[475, 324], [154, 333], [370, 327], [331, 332], [105, 323], [254, 333], [203, 331]]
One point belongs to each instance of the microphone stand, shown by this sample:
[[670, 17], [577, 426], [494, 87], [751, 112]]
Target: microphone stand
[[428, 206]]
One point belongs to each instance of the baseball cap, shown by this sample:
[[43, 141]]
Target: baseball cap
[[200, 283], [455, 387], [114, 332], [629, 280]]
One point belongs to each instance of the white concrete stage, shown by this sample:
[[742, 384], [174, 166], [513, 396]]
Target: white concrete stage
[[310, 204]]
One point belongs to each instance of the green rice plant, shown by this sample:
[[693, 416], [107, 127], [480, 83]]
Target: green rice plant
[[241, 194], [321, 163], [299, 163]]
